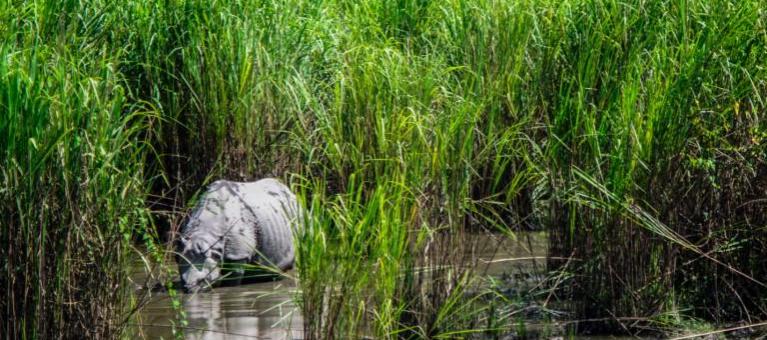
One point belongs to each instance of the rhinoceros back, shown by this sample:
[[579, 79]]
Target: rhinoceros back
[[275, 211]]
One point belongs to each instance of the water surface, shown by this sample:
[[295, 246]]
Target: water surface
[[253, 311], [267, 310]]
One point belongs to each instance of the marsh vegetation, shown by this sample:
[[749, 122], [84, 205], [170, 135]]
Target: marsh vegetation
[[631, 132]]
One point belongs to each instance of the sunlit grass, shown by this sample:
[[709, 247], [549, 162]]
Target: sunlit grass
[[632, 131]]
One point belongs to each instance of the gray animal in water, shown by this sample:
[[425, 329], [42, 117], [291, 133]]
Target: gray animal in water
[[238, 223]]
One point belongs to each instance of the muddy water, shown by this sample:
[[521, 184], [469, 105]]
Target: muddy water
[[254, 311], [267, 310]]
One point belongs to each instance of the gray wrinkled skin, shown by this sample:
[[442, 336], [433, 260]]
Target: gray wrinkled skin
[[238, 222]]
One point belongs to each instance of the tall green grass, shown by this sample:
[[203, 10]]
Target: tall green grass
[[631, 130], [659, 105], [71, 174]]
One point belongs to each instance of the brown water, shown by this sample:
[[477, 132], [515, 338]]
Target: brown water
[[254, 311], [267, 310]]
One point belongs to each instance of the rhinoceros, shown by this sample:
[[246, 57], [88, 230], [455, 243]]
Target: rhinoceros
[[238, 223]]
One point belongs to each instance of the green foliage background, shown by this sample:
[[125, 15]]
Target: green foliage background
[[632, 131]]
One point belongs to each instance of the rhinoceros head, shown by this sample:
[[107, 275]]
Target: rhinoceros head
[[198, 263]]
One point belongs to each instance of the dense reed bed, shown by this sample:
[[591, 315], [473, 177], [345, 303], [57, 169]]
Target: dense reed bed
[[71, 176], [632, 131]]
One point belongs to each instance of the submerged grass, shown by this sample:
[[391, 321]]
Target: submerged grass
[[632, 131]]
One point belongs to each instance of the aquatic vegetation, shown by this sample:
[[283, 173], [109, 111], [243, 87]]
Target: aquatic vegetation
[[72, 151], [632, 131]]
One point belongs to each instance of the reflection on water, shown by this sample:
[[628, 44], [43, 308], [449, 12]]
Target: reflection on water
[[254, 311], [267, 310], [523, 252]]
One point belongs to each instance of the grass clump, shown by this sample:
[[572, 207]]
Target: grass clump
[[71, 174], [649, 112]]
